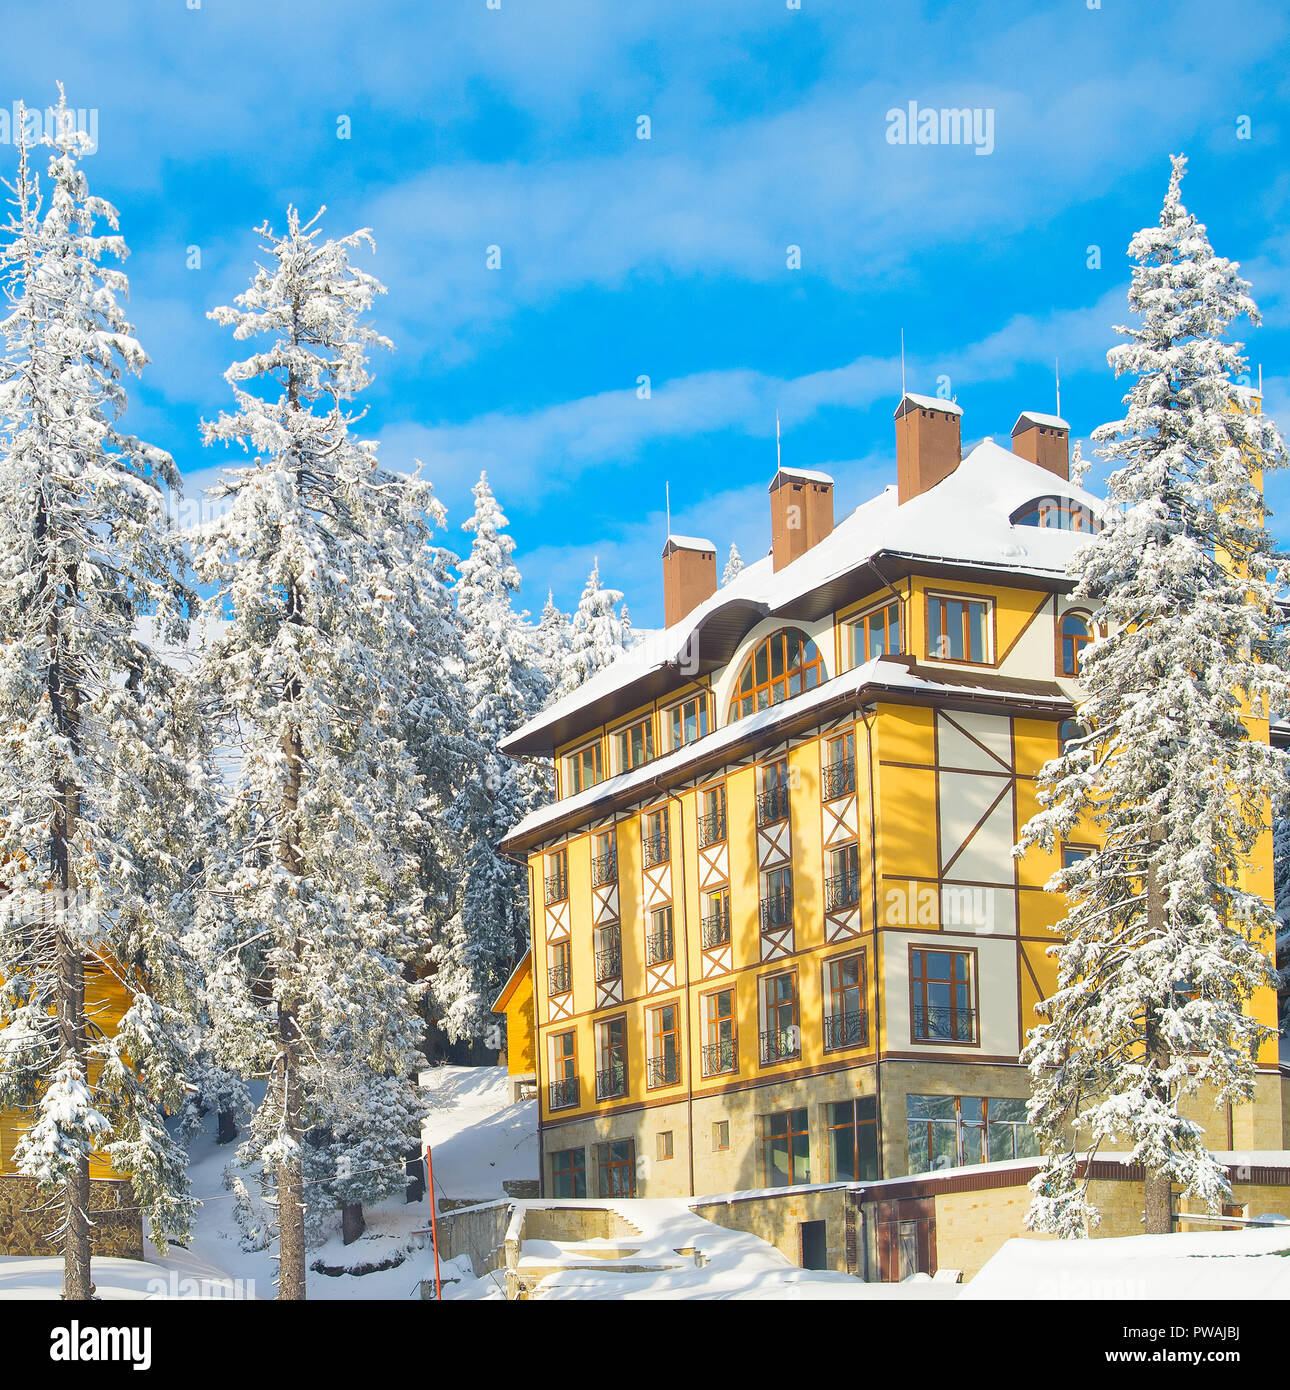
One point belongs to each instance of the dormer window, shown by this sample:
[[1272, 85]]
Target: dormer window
[[784, 665], [1056, 514]]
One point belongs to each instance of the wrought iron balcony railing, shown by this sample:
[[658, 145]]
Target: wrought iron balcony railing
[[838, 779], [712, 829], [654, 850], [842, 890], [604, 869], [944, 1024], [720, 1057], [714, 927], [563, 1093], [781, 1044], [658, 946], [772, 806], [777, 910], [557, 888], [559, 979], [609, 962], [662, 1071], [611, 1082], [846, 1030]]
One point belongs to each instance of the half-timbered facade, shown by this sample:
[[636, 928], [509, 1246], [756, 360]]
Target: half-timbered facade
[[779, 933]]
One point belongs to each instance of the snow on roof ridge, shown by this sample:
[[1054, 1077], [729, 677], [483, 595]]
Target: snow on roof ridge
[[1039, 418], [813, 475], [687, 542], [930, 403]]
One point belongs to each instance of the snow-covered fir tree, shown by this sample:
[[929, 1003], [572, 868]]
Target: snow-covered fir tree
[[93, 771], [551, 646], [734, 565], [320, 565], [598, 633], [1163, 945], [502, 687], [1079, 464]]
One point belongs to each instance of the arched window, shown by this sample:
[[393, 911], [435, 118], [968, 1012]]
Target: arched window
[[1077, 633], [1070, 732], [1056, 513], [785, 664]]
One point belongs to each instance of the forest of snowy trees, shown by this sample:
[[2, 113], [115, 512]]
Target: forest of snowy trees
[[250, 769]]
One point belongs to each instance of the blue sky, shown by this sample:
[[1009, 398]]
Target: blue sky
[[517, 127]]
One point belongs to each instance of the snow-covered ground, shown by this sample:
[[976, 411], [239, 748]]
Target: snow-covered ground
[[478, 1138], [1248, 1264]]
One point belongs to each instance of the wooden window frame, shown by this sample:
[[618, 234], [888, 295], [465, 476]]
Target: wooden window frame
[[703, 716], [605, 1166], [992, 634], [717, 1126], [858, 624], [1060, 640], [616, 735], [764, 1007], [851, 1128], [572, 1170], [656, 1042], [706, 1022], [554, 951], [738, 695], [601, 1028], [974, 981], [570, 759], [571, 1056], [790, 1134], [829, 995]]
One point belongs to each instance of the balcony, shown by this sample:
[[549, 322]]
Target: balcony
[[719, 1057], [612, 1082], [842, 891], [780, 1045], [609, 961], [658, 946], [557, 888], [563, 1094], [662, 1071], [777, 911], [846, 1030], [654, 849], [559, 979], [714, 927], [838, 779], [944, 1025], [712, 829], [604, 869], [772, 806]]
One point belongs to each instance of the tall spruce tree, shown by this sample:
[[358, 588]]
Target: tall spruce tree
[[551, 647], [734, 565], [320, 565], [599, 633], [502, 687], [93, 773], [1164, 942]]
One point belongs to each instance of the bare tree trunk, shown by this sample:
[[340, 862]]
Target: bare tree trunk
[[352, 1224], [1157, 1194], [291, 1194], [225, 1126], [70, 966]]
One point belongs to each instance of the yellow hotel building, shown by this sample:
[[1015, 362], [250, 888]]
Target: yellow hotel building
[[779, 934]]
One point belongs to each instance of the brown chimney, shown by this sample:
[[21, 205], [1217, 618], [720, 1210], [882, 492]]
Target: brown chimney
[[689, 575], [1045, 440], [929, 444], [801, 513]]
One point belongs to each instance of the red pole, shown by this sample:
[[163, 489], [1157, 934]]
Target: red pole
[[434, 1229]]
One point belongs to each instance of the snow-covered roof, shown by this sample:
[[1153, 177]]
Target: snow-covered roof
[[964, 521], [686, 543], [1033, 417], [808, 475], [927, 403]]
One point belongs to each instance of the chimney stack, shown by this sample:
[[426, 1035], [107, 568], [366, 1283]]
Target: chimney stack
[[1045, 440], [929, 445], [801, 513], [689, 575]]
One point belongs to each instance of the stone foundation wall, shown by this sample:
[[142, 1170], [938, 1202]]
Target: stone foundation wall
[[116, 1224]]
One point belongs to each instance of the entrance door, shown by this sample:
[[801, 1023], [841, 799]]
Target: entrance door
[[815, 1254]]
